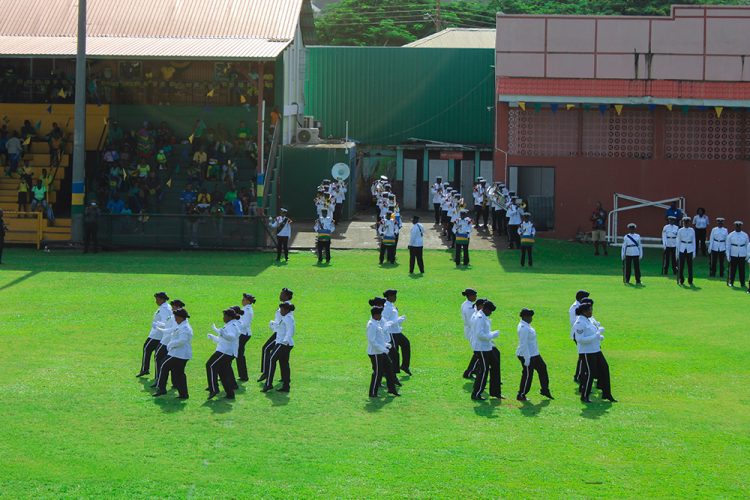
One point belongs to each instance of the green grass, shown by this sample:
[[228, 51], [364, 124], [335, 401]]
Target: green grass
[[77, 423]]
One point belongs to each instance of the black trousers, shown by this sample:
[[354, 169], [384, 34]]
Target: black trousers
[[595, 366], [399, 342], [700, 236], [488, 367], [241, 359], [436, 208], [514, 240], [526, 250], [324, 247], [717, 258], [148, 347], [280, 355], [686, 258], [388, 252], [381, 367], [669, 255], [478, 213], [737, 264], [176, 368], [337, 211], [485, 215], [473, 363], [219, 366], [266, 353], [90, 231], [579, 365], [159, 356], [498, 221], [633, 262], [462, 248], [282, 244], [527, 375], [415, 254]]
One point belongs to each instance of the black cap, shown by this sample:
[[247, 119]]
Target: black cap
[[526, 312], [585, 306], [376, 310], [581, 294], [489, 305], [230, 312], [238, 310], [479, 303], [376, 301], [249, 297], [177, 303], [469, 291], [587, 300], [389, 292], [415, 218], [181, 313], [161, 295], [288, 292]]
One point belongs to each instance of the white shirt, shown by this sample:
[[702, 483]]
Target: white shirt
[[161, 318], [246, 320], [527, 229], [737, 242], [631, 246], [513, 215], [285, 333], [283, 222], [700, 221], [181, 342], [437, 194], [717, 242], [392, 319], [463, 226], [416, 238], [669, 236], [588, 336], [226, 338], [481, 336], [324, 223], [375, 340], [572, 314], [527, 345], [169, 327], [341, 194], [467, 311], [686, 240]]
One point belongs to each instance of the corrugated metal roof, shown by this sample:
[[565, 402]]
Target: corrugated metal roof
[[222, 48], [458, 38]]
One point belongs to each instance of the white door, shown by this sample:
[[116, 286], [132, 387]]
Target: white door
[[467, 181], [486, 171], [410, 185], [438, 168]]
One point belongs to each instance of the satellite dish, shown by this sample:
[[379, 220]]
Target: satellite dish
[[340, 171]]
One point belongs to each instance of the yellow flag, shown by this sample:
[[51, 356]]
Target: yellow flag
[[570, 106], [61, 93], [191, 138], [668, 106], [618, 108], [522, 105], [169, 183], [718, 110], [106, 121], [243, 99], [210, 93], [27, 141]]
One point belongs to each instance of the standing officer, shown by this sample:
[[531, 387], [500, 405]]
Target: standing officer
[[686, 249], [399, 341], [486, 352], [528, 355], [161, 317], [91, 227], [669, 244], [437, 198], [631, 255], [246, 323], [737, 242], [324, 226], [377, 350], [527, 233], [700, 223], [717, 246], [3, 230], [283, 346], [283, 226], [416, 245], [462, 230], [180, 351]]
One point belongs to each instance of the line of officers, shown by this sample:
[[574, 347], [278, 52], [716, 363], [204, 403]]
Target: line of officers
[[680, 244], [171, 336]]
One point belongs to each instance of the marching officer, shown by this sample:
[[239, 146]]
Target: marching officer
[[283, 346], [488, 356], [631, 255], [285, 295], [377, 350], [246, 323], [161, 317], [527, 233], [669, 244], [736, 252], [169, 326], [462, 230], [467, 313], [399, 341], [588, 338], [573, 316], [717, 247], [528, 355], [219, 365], [416, 245], [686, 249], [179, 352], [324, 227], [283, 226]]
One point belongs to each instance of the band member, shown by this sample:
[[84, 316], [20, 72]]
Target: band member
[[669, 244], [717, 246], [179, 352], [514, 213], [283, 346], [527, 233], [283, 226], [161, 317], [399, 341], [388, 229], [479, 194], [462, 229], [285, 296], [324, 227], [631, 255], [377, 350], [686, 246], [219, 365], [246, 323], [489, 357], [531, 360], [437, 198]]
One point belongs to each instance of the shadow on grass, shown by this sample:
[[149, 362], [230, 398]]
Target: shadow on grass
[[277, 398], [486, 408], [169, 404], [595, 409], [18, 280], [376, 404], [219, 404], [529, 409]]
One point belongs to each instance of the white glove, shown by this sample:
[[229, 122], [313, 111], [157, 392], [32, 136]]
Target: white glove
[[401, 319], [601, 329], [272, 324], [601, 337], [526, 361], [209, 336], [388, 346]]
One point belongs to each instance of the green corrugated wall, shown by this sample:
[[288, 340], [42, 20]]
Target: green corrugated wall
[[390, 94]]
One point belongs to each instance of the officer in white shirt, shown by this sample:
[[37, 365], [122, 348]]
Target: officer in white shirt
[[527, 233], [399, 341], [717, 246], [246, 322], [737, 243], [478, 195], [283, 345], [700, 223], [285, 295], [437, 198], [631, 255], [179, 352], [324, 228], [388, 239], [686, 250], [377, 350], [573, 315], [467, 313], [283, 226], [339, 197], [160, 355], [161, 317], [669, 244], [588, 339], [219, 365], [513, 212], [462, 229], [416, 245], [489, 357], [528, 355]]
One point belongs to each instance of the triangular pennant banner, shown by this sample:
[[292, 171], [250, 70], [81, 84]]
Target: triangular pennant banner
[[49, 109], [618, 108], [522, 105], [718, 110], [570, 106], [210, 93], [537, 106], [554, 107], [651, 108], [169, 183], [190, 138], [685, 109], [243, 99], [27, 141], [61, 93], [668, 106], [106, 121], [603, 108], [38, 125]]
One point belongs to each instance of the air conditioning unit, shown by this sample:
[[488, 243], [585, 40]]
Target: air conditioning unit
[[308, 136], [308, 121]]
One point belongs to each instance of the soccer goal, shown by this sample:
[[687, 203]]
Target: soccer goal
[[633, 203]]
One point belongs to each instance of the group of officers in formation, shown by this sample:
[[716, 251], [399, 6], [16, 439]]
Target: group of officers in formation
[[170, 342], [329, 203]]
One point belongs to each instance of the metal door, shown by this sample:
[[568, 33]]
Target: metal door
[[467, 181], [410, 185]]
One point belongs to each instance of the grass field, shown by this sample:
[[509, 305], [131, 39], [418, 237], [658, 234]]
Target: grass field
[[76, 422]]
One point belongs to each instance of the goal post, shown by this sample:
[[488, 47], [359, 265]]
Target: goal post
[[634, 203]]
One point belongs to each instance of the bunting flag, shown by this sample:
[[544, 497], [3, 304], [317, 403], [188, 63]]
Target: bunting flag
[[537, 106], [49, 109], [38, 125], [177, 169], [210, 93], [27, 141], [603, 108], [243, 99], [702, 108], [668, 106], [191, 137], [570, 106], [106, 121], [618, 108], [651, 108], [61, 93], [718, 110], [553, 107], [6, 120], [169, 183], [684, 109], [522, 105], [586, 107]]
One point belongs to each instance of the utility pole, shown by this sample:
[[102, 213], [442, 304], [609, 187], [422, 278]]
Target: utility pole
[[79, 132], [438, 21]]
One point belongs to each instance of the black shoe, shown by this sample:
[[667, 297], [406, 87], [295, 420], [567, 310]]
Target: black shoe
[[266, 388], [610, 398], [243, 379], [397, 383], [229, 396], [394, 393], [141, 374], [546, 394], [468, 376], [183, 397], [575, 379], [478, 398], [499, 396], [153, 385], [262, 378], [208, 389], [159, 393], [521, 397], [406, 370], [212, 394], [283, 389], [236, 386], [585, 400]]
